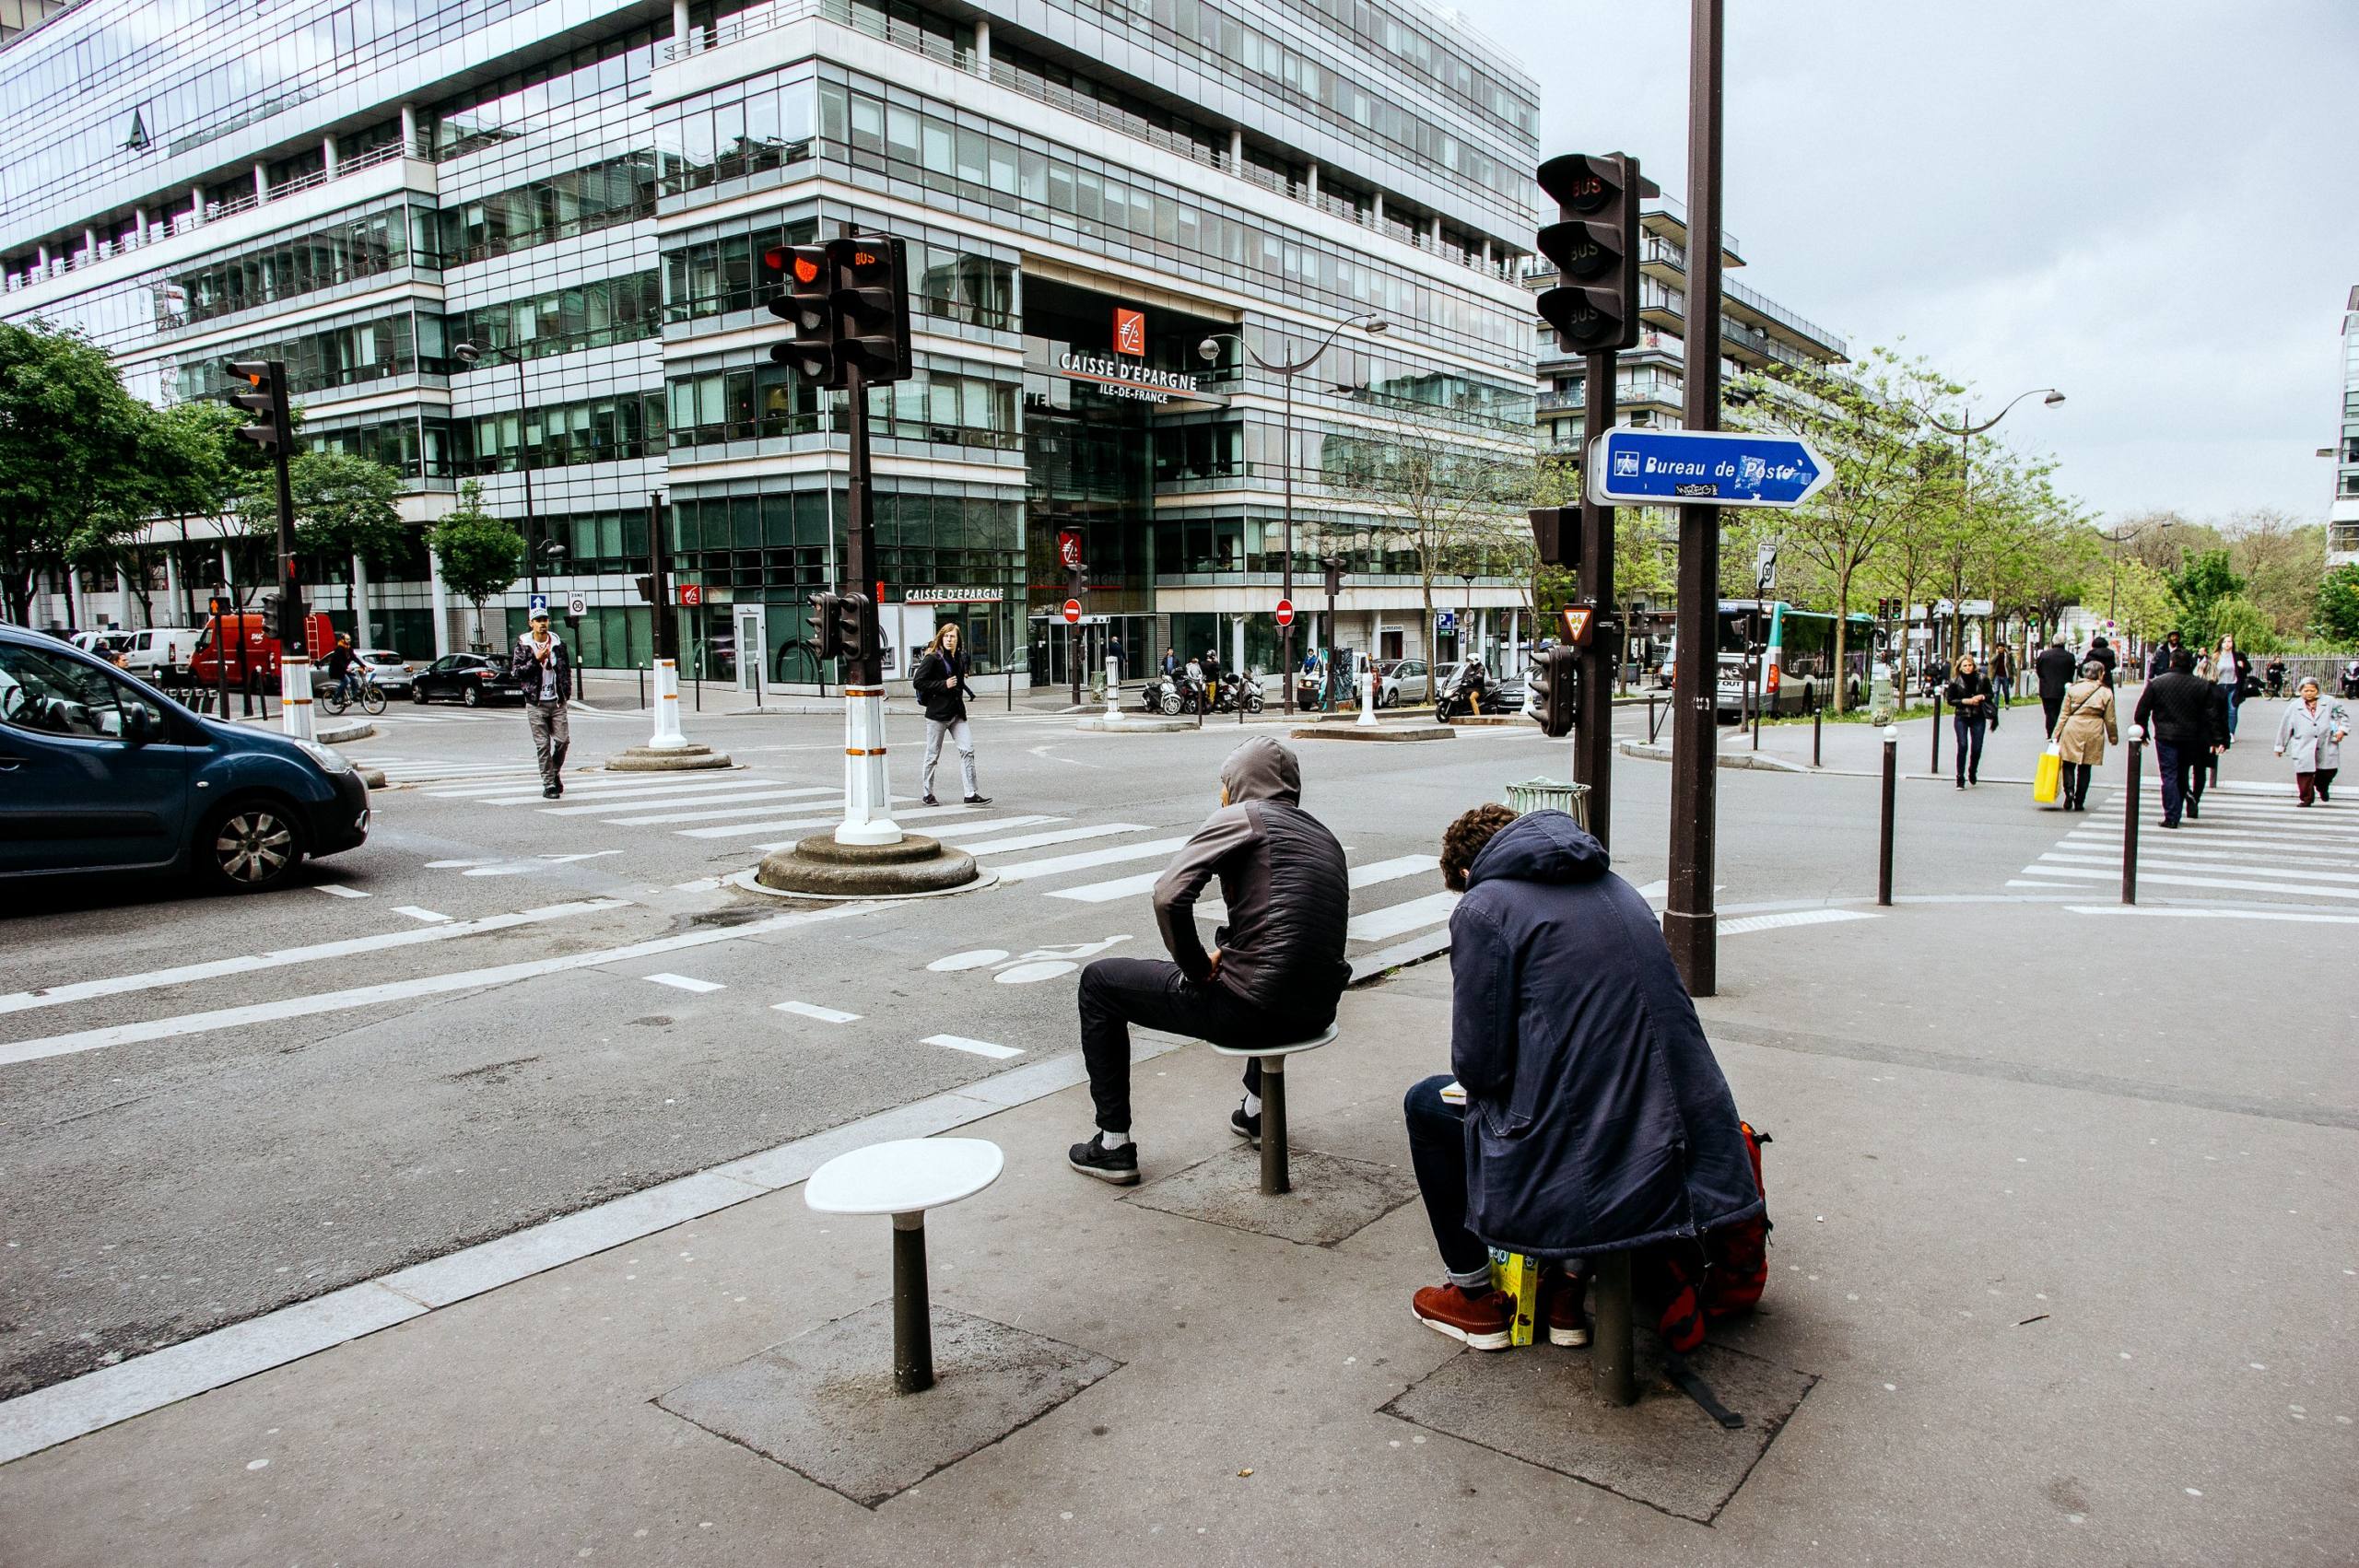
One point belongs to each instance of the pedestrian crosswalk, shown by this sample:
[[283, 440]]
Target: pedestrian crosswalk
[[2246, 846]]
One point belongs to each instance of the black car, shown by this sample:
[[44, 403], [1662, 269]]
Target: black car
[[472, 678]]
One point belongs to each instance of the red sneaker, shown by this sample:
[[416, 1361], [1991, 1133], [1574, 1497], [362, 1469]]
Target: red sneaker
[[1567, 1324], [1481, 1317]]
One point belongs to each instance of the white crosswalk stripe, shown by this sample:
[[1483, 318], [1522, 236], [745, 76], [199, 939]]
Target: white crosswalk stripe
[[2246, 847]]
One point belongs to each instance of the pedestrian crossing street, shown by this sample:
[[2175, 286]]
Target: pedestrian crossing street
[[2251, 845], [1045, 853]]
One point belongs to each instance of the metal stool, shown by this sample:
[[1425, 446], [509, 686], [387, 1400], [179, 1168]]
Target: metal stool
[[1274, 1102], [905, 1178]]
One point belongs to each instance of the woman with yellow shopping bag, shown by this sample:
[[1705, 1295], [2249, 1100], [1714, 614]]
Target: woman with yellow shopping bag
[[2087, 727]]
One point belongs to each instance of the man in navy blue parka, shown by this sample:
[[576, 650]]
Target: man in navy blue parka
[[1596, 1119]]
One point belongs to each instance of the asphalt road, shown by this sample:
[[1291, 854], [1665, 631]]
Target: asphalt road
[[503, 1008]]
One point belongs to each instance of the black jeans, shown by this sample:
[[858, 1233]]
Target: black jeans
[[1969, 745], [2054, 707], [2174, 761], [1437, 1154], [2076, 783], [1119, 992]]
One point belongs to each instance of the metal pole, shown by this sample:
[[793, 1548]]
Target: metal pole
[[1817, 711], [1937, 732], [1286, 589], [1688, 922], [2129, 822], [1612, 1364], [1891, 796], [524, 462], [912, 1312], [1593, 724], [1275, 1176]]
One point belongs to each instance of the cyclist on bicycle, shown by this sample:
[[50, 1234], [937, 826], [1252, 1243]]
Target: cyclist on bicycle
[[339, 664]]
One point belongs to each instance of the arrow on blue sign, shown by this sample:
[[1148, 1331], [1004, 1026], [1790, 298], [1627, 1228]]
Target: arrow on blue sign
[[537, 604], [1717, 468]]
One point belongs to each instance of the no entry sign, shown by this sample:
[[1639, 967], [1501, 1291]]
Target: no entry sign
[[1285, 612], [1072, 612]]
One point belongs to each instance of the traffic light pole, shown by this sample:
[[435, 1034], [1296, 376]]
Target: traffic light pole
[[1688, 922], [868, 808], [294, 649], [1593, 726]]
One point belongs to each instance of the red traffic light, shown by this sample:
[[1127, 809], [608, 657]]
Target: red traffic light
[[806, 270]]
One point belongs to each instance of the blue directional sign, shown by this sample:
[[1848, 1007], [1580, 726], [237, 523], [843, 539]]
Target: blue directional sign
[[537, 604], [1717, 468]]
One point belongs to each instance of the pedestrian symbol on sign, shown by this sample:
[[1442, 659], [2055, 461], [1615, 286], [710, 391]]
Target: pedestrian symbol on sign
[[1625, 463]]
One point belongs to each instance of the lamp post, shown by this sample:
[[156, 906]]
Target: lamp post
[[468, 353], [1286, 370], [1965, 430]]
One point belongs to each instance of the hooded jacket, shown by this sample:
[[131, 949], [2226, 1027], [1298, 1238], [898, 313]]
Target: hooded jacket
[[1281, 876], [1596, 1117], [524, 664]]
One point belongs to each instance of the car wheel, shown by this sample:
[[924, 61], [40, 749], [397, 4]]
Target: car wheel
[[417, 695], [248, 845], [472, 696]]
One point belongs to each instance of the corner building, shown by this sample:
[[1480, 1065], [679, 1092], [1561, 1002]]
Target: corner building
[[1090, 190]]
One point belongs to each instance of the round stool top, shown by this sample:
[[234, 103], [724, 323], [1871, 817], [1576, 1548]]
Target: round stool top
[[1326, 1038], [904, 1176]]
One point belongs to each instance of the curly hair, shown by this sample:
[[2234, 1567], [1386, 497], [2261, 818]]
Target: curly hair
[[1464, 839]]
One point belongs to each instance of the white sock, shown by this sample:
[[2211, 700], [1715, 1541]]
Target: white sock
[[1113, 1139], [1252, 1104]]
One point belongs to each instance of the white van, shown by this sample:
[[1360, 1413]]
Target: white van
[[160, 653]]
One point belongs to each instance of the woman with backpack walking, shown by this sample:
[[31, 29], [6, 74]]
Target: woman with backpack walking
[[941, 682], [2087, 727], [2312, 733]]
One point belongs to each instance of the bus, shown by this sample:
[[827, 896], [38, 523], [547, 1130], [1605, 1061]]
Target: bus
[[1797, 649]]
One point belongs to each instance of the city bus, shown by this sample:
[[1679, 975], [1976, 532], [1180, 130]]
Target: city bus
[[1797, 658]]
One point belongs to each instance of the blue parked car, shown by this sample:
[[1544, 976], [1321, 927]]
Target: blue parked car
[[102, 772]]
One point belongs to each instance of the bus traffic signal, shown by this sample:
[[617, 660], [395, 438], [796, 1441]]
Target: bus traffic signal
[[848, 302], [263, 392], [1594, 243]]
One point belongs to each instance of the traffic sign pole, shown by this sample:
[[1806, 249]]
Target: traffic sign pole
[[868, 809], [1593, 722]]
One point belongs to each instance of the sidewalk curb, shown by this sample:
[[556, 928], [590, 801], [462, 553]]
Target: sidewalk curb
[[1754, 760]]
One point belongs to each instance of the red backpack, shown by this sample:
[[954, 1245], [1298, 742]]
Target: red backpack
[[1722, 1273]]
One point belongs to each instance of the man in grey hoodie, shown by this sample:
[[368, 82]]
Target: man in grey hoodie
[[1277, 969]]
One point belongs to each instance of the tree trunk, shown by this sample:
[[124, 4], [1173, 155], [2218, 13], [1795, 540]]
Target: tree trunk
[[1842, 636]]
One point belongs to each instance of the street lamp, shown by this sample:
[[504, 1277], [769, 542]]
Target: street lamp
[[467, 354], [1965, 430], [1209, 350]]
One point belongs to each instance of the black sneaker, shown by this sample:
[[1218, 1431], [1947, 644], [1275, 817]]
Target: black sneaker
[[1246, 1127], [978, 799], [559, 783], [928, 801], [1120, 1166], [2195, 810], [548, 792]]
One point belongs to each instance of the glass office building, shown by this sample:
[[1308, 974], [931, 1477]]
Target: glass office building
[[1091, 190]]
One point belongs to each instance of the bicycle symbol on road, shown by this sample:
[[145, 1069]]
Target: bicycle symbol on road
[[1025, 969]]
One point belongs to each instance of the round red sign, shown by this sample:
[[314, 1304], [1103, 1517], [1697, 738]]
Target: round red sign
[[1285, 612], [1072, 612]]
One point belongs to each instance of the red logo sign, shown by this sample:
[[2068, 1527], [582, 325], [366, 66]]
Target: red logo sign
[[1069, 551], [1072, 612], [1130, 331], [1285, 612], [691, 596]]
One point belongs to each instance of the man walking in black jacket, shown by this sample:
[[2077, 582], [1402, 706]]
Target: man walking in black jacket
[[1274, 975], [2187, 726], [2054, 667]]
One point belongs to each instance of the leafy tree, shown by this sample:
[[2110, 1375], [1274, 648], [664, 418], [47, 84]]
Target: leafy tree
[[2202, 580], [2338, 610], [2137, 598], [479, 554], [344, 506], [69, 455], [2282, 561], [2239, 617]]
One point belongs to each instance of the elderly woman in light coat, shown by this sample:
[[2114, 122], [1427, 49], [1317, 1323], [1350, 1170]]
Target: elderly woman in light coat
[[2085, 728], [2312, 733]]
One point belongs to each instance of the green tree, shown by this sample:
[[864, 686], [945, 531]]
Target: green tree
[[190, 464], [2203, 578], [2239, 617], [479, 554], [2338, 611], [69, 454], [344, 506]]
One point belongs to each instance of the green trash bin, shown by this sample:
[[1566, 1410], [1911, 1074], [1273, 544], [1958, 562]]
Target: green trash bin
[[1547, 794]]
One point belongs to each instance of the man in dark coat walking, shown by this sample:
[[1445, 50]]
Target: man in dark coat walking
[[2054, 667], [2102, 652], [1596, 1119], [2188, 727]]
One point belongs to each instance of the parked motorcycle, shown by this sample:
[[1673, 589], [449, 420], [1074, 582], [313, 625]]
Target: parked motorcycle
[[1234, 691]]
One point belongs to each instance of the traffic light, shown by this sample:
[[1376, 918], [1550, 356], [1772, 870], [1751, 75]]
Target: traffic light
[[802, 283], [265, 392], [872, 300], [826, 625], [1556, 686], [856, 630], [1556, 535], [645, 583], [1594, 243]]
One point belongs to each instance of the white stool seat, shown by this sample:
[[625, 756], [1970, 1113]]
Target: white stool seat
[[1287, 1048], [905, 1177]]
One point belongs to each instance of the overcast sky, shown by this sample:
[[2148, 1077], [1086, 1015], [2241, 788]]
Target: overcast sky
[[2149, 206]]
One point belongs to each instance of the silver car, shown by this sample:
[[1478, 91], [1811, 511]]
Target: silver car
[[388, 669]]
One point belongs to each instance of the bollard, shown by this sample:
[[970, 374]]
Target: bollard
[[1114, 689], [295, 696], [1891, 792], [1650, 719], [1276, 1177], [667, 736], [2130, 820], [1612, 1368], [1367, 700], [1937, 735], [912, 1312], [1816, 728], [643, 691]]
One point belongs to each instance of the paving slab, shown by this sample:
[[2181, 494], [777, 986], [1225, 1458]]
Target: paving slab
[[1333, 1199]]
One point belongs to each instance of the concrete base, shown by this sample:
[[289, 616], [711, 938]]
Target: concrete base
[[1376, 732], [674, 759], [1536, 1405], [372, 776], [1758, 762], [1489, 719], [1134, 723], [1333, 1199], [821, 865], [823, 1404], [344, 734]]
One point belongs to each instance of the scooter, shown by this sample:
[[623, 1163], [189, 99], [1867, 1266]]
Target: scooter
[[1462, 695], [1234, 691]]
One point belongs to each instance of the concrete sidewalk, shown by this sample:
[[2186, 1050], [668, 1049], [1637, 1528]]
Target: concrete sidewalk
[[2062, 1272]]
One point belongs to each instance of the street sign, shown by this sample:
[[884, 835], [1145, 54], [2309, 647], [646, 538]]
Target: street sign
[[1580, 620], [1446, 620], [1072, 612], [536, 604], [1721, 468], [1285, 612], [690, 595], [577, 605]]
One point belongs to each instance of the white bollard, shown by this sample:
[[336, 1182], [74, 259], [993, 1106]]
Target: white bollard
[[295, 696], [868, 801], [667, 736], [1113, 687], [1367, 698]]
